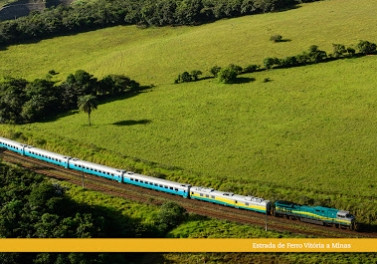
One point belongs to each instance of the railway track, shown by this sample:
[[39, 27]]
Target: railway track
[[143, 195]]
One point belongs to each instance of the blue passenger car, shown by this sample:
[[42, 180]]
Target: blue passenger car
[[47, 156], [12, 145], [157, 184], [96, 169]]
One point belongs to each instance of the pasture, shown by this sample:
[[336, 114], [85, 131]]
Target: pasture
[[158, 55], [308, 135]]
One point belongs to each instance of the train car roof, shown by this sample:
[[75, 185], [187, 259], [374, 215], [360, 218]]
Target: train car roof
[[9, 141], [46, 152], [155, 180], [238, 197], [95, 165]]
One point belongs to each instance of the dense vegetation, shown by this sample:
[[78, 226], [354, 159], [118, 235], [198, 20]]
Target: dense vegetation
[[22, 101], [82, 16], [33, 208]]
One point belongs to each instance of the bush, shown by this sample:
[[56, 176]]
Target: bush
[[170, 216], [195, 74], [276, 38], [339, 50], [366, 47], [229, 74], [251, 68], [215, 70], [188, 77], [269, 62]]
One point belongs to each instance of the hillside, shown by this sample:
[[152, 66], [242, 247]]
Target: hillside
[[158, 55], [306, 135]]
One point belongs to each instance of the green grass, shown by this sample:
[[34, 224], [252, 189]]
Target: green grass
[[158, 55], [210, 228], [309, 133], [146, 214]]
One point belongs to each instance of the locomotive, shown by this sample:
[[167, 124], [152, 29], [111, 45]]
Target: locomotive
[[313, 214]]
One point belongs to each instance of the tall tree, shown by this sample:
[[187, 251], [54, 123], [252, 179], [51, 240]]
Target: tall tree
[[87, 103]]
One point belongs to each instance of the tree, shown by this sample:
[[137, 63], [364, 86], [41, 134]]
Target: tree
[[269, 62], [87, 103], [195, 74], [339, 50], [215, 70], [229, 74], [366, 47], [170, 216]]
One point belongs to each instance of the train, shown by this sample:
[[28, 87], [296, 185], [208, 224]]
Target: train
[[312, 214]]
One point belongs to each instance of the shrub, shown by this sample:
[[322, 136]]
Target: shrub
[[339, 50], [215, 70], [229, 74], [269, 62], [170, 216], [351, 51], [195, 74], [276, 38], [366, 47], [251, 68], [188, 77]]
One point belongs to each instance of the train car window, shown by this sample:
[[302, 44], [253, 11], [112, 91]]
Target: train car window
[[171, 188], [160, 185], [155, 184], [166, 187], [201, 194], [246, 204], [207, 195], [136, 180], [213, 197], [192, 192], [176, 189], [235, 202]]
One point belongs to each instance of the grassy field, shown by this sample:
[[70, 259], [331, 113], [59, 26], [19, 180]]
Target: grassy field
[[310, 133], [158, 55]]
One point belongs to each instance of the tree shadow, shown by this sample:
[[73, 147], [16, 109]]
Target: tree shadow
[[104, 99], [241, 80], [284, 40], [132, 122]]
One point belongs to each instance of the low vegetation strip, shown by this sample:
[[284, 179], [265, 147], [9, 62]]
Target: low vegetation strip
[[312, 56]]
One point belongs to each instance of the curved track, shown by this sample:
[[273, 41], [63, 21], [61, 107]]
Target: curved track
[[157, 198]]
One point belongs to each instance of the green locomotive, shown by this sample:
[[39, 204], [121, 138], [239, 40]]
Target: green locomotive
[[315, 214]]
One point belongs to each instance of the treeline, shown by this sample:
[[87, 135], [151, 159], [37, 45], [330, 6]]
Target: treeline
[[313, 55], [31, 207], [22, 101], [83, 16]]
